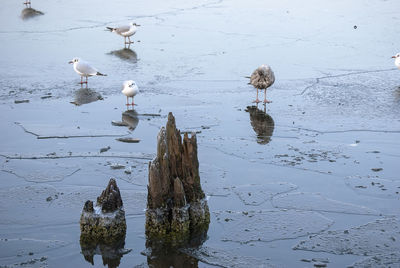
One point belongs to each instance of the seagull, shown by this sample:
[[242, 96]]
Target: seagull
[[125, 31], [397, 60], [262, 78], [84, 69], [130, 89]]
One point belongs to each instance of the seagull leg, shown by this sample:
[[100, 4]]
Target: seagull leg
[[265, 97], [133, 103], [127, 101], [130, 42], [257, 100]]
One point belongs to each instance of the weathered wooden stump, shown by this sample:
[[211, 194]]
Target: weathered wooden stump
[[176, 204], [104, 223]]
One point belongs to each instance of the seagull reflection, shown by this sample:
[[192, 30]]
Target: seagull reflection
[[262, 123], [29, 13], [86, 95], [131, 119], [126, 54]]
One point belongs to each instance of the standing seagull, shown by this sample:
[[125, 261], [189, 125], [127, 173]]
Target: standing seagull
[[84, 69], [397, 60], [125, 31], [130, 89], [262, 78]]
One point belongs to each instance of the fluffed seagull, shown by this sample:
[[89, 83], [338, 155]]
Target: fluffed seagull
[[397, 60], [262, 78], [84, 69], [125, 31], [130, 89]]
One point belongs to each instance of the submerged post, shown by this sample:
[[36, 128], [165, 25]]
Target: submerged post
[[105, 222], [176, 204]]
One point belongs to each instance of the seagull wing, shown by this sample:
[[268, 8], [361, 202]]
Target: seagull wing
[[86, 69], [122, 29], [135, 90]]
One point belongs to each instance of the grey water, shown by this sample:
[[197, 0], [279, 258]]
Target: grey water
[[319, 163]]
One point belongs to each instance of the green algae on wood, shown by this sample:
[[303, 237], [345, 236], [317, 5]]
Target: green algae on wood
[[104, 223]]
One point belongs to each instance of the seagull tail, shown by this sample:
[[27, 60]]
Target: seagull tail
[[110, 29], [98, 73]]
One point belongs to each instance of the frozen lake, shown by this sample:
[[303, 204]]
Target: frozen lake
[[311, 179]]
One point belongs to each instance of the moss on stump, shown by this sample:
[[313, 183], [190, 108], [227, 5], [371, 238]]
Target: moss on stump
[[176, 205], [104, 223]]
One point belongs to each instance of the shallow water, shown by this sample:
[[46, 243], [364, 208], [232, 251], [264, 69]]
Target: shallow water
[[319, 162]]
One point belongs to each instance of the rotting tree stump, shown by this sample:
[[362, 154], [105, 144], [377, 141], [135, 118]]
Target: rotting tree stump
[[104, 223], [176, 206]]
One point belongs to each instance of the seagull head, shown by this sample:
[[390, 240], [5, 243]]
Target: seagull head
[[265, 69], [134, 24], [396, 56], [74, 60], [129, 83], [265, 66]]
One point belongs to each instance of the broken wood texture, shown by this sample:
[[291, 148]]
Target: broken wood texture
[[176, 206], [105, 223]]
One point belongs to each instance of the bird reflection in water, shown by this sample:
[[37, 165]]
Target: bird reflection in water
[[28, 12], [125, 54], [130, 119], [86, 95], [262, 123]]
